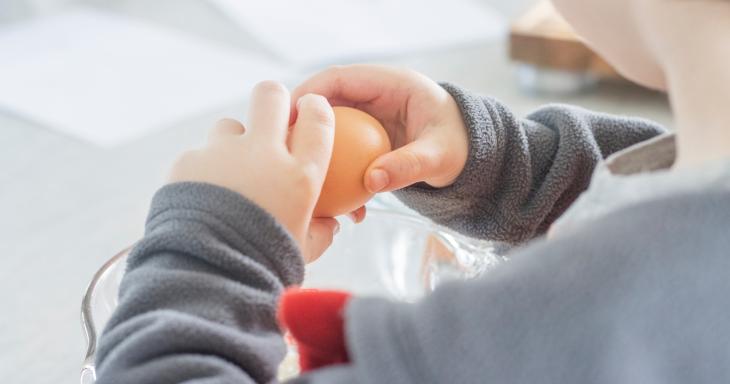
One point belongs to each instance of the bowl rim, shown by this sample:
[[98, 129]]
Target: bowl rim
[[87, 319]]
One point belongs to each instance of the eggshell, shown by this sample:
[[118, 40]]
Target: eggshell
[[359, 139]]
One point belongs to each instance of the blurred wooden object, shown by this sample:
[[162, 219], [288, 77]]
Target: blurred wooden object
[[542, 38]]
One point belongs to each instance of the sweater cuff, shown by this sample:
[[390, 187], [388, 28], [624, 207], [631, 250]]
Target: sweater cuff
[[467, 188], [245, 226]]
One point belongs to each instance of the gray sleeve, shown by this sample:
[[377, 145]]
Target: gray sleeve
[[522, 174], [198, 304], [596, 306], [198, 301]]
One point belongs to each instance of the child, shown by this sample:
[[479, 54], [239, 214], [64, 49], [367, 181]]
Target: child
[[633, 288]]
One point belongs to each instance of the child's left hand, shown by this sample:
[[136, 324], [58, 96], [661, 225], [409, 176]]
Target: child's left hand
[[279, 169]]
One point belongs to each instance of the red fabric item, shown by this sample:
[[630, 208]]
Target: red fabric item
[[315, 321]]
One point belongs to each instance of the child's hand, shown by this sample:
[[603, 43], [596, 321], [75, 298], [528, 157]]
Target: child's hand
[[280, 170], [422, 119]]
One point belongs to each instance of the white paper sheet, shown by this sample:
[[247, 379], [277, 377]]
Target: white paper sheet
[[108, 79], [321, 31]]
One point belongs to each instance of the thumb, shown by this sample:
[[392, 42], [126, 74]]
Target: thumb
[[406, 165], [321, 233]]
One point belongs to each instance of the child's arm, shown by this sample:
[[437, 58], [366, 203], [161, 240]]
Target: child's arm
[[476, 166], [523, 173], [198, 300]]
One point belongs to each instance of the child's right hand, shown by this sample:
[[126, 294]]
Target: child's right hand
[[280, 169], [423, 121]]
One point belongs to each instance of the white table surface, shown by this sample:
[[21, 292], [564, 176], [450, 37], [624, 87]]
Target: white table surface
[[67, 206]]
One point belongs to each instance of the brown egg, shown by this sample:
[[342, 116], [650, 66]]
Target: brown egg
[[359, 139]]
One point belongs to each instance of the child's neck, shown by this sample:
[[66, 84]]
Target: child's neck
[[699, 88]]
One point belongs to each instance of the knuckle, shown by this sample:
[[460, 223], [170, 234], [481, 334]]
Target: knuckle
[[226, 121], [220, 127], [303, 178], [435, 161], [311, 172], [184, 162], [408, 73], [186, 157], [419, 80], [334, 70], [335, 77], [411, 164], [318, 109]]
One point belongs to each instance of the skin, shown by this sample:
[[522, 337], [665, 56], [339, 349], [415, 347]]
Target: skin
[[296, 159], [423, 121], [681, 46]]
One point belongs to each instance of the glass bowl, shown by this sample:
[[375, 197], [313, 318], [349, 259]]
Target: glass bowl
[[392, 254]]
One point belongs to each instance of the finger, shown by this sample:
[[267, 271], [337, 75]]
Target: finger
[[356, 85], [321, 233], [358, 215], [313, 134], [226, 128], [268, 113], [355, 82], [406, 165]]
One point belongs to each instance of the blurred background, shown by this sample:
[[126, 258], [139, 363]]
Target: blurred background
[[98, 97]]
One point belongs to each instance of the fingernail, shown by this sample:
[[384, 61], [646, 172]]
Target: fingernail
[[378, 180]]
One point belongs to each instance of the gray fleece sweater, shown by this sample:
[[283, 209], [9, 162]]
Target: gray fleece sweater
[[639, 295]]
